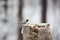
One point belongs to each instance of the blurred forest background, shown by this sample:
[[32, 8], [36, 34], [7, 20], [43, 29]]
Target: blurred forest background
[[37, 11]]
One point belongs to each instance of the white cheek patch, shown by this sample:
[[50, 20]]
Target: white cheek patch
[[36, 27]]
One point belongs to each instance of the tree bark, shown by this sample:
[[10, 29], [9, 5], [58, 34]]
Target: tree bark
[[5, 7], [44, 6], [20, 19]]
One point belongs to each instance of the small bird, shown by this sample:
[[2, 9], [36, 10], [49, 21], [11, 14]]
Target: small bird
[[24, 22]]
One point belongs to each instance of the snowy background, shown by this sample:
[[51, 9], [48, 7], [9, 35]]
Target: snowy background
[[32, 10]]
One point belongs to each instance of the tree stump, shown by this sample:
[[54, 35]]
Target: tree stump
[[36, 32]]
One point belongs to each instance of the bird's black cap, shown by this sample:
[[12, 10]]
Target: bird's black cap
[[27, 20]]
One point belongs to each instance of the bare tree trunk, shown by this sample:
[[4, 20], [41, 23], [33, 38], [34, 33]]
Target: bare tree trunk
[[5, 7], [20, 19], [44, 6], [20, 10]]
